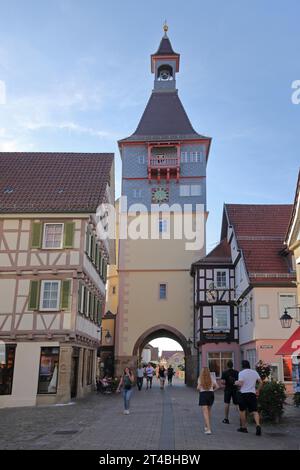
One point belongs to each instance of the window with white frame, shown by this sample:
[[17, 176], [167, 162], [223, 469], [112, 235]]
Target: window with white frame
[[246, 311], [53, 235], [196, 157], [251, 309], [50, 295], [190, 190], [240, 313], [287, 302], [195, 190], [221, 317], [163, 225], [221, 279], [184, 190], [251, 357], [141, 159], [184, 157], [217, 362], [137, 193], [162, 291], [263, 311]]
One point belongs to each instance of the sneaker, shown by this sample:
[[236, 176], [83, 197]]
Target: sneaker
[[245, 430], [126, 412], [225, 421], [208, 431], [258, 430]]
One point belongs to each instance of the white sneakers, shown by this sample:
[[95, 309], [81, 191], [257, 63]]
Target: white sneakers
[[207, 431], [126, 412]]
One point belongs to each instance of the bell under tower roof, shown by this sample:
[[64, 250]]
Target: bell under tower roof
[[164, 117]]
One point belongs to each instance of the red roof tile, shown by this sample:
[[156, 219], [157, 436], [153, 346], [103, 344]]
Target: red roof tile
[[260, 232], [220, 254], [53, 182]]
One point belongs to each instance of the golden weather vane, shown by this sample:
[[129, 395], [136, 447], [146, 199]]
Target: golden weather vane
[[165, 27]]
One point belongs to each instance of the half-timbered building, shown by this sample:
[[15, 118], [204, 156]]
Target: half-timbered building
[[216, 315], [242, 288], [52, 274]]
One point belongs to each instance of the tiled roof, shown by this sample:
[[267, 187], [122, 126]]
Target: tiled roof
[[164, 118], [168, 354], [53, 182], [165, 47], [221, 254], [260, 232]]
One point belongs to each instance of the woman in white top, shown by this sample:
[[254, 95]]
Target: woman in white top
[[206, 386]]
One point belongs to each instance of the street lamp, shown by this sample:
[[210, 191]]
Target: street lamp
[[286, 319], [108, 337]]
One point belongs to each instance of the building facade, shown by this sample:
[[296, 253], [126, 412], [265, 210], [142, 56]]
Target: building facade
[[163, 163], [52, 274], [255, 278]]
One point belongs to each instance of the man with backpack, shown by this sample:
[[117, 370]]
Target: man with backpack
[[229, 377]]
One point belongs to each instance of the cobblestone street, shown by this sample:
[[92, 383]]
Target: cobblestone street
[[167, 419]]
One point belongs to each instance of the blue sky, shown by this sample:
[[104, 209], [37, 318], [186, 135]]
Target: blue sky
[[77, 75]]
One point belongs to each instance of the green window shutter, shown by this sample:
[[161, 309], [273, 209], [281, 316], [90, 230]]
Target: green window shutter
[[95, 310], [34, 295], [36, 236], [102, 268], [69, 231], [94, 244], [99, 313], [87, 240], [91, 312], [100, 263], [79, 297], [96, 254], [65, 294], [87, 302]]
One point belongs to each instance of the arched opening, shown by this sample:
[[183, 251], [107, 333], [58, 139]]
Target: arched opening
[[165, 331], [165, 72]]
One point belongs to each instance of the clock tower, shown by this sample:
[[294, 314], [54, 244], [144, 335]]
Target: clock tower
[[163, 165]]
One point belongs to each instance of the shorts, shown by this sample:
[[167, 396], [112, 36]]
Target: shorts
[[247, 401], [231, 394], [206, 398]]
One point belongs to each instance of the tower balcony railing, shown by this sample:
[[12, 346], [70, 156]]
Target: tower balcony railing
[[163, 161]]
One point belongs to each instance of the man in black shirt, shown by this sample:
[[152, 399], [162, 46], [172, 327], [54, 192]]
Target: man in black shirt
[[229, 378]]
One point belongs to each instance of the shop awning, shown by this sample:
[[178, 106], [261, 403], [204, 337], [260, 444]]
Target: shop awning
[[291, 346]]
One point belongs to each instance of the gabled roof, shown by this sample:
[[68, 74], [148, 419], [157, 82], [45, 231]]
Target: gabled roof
[[164, 119], [221, 254], [260, 230], [53, 182]]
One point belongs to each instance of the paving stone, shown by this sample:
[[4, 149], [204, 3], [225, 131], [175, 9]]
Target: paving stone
[[169, 419]]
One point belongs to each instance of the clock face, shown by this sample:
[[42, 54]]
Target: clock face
[[165, 75], [160, 195]]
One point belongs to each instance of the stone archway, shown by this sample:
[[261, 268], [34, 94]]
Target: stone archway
[[159, 331]]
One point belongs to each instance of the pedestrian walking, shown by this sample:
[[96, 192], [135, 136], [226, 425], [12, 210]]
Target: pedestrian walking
[[228, 379], [126, 382], [247, 381], [162, 376], [149, 375], [206, 386], [140, 372], [170, 373]]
